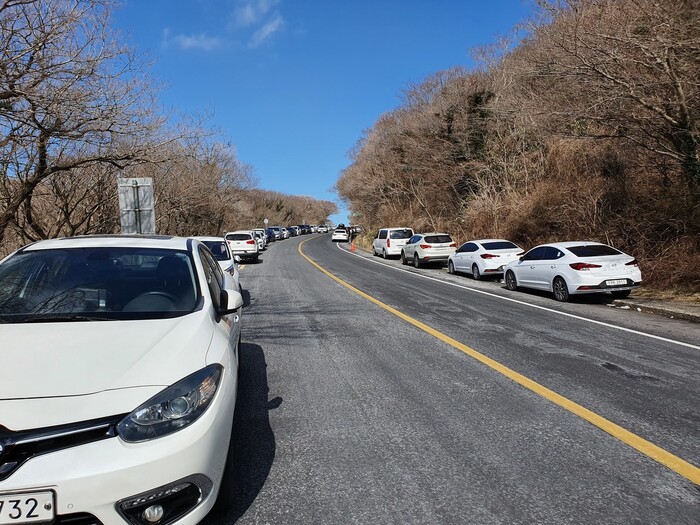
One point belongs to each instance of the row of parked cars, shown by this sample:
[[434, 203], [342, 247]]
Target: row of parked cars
[[247, 245], [562, 268]]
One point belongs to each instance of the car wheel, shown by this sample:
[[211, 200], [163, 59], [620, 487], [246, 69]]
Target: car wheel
[[476, 273], [416, 261], [450, 267], [511, 282], [621, 294], [561, 292], [384, 254], [403, 258]]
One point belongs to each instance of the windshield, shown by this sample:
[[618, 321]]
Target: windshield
[[219, 249], [499, 245], [593, 250], [401, 234], [96, 283]]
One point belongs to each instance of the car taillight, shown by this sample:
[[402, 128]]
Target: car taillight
[[633, 262], [584, 266], [251, 241], [388, 242], [453, 245], [425, 246], [488, 256]]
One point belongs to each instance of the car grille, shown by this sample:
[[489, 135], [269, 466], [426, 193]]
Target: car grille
[[82, 518], [19, 447]]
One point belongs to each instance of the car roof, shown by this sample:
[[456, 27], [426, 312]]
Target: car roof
[[490, 240], [209, 238], [434, 233], [568, 244], [250, 232], [121, 241]]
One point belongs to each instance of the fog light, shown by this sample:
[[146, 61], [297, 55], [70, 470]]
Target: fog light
[[153, 514], [165, 504]]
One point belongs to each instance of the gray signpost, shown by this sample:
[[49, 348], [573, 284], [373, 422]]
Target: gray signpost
[[138, 214]]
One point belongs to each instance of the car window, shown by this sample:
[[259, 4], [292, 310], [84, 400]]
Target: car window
[[401, 234], [213, 275], [413, 239], [499, 245], [219, 249], [535, 254], [552, 253], [468, 247], [438, 239], [238, 237], [382, 234], [109, 283], [593, 250]]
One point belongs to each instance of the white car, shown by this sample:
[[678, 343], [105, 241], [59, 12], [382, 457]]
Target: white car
[[285, 233], [118, 381], [424, 248], [340, 235], [389, 241], [322, 229], [577, 267], [483, 257], [219, 248], [244, 244]]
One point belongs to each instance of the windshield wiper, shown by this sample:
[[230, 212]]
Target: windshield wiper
[[63, 318]]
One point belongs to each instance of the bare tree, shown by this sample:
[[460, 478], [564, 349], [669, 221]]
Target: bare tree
[[71, 97]]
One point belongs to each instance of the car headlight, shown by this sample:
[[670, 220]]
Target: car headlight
[[172, 409]]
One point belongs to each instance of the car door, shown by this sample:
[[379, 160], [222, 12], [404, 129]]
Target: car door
[[526, 268], [548, 267], [410, 247], [216, 282], [462, 259]]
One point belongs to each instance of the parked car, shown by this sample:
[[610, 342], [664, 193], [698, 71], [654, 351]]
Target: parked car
[[277, 232], [244, 244], [271, 235], [483, 257], [118, 380], [340, 235], [578, 267], [322, 229], [260, 239], [263, 233], [424, 248], [389, 241], [222, 253], [285, 233]]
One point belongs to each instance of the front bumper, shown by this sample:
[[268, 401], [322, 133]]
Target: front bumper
[[91, 478]]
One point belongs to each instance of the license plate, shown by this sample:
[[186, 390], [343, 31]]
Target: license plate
[[616, 282], [29, 507]]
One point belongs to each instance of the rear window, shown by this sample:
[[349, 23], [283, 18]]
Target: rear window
[[238, 237], [340, 231], [499, 245], [400, 234], [438, 239], [594, 250], [218, 249]]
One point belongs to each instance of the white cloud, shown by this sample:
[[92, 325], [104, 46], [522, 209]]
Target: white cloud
[[253, 12], [201, 41], [267, 30]]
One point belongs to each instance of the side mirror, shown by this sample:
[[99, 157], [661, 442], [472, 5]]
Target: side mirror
[[521, 258], [237, 258], [230, 301]]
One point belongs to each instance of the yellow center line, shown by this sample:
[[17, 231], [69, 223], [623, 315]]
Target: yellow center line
[[678, 465]]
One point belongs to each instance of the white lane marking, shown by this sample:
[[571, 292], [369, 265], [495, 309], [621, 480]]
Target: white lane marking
[[566, 314]]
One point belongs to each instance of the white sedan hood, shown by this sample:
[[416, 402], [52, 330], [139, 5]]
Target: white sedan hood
[[49, 360]]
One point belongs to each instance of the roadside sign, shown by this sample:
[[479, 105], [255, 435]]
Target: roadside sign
[[265, 221], [136, 208]]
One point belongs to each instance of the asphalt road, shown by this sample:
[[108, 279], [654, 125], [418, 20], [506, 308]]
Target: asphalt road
[[348, 413]]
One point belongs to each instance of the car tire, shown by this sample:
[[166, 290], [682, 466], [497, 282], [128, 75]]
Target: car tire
[[476, 274], [450, 267], [561, 291], [416, 260], [403, 258], [384, 256], [621, 294], [511, 281]]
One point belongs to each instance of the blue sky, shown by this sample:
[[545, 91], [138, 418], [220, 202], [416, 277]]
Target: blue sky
[[293, 83]]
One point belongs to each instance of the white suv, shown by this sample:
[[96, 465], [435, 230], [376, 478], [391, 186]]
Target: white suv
[[389, 241], [244, 244]]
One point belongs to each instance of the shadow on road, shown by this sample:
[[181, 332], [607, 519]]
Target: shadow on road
[[252, 448]]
